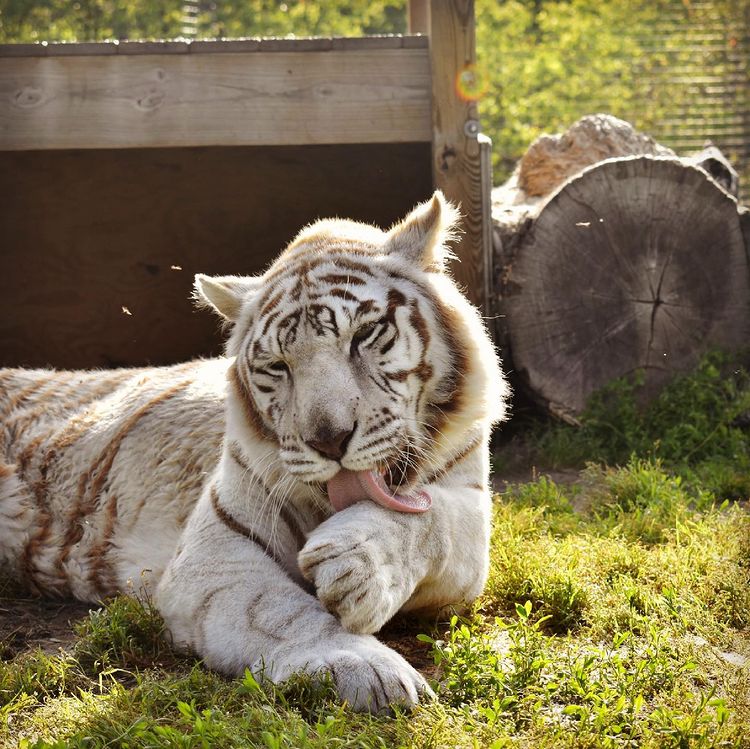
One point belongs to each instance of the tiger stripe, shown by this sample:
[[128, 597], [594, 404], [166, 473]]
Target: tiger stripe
[[67, 393], [90, 483], [293, 525], [252, 416], [235, 453], [339, 258], [343, 294], [24, 394], [30, 451], [338, 278], [101, 575], [470, 449], [76, 429], [202, 611], [272, 303], [285, 513], [37, 401], [449, 323], [234, 525], [270, 320]]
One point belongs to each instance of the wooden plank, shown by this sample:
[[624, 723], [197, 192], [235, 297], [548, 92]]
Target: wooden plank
[[210, 46], [38, 49], [67, 49], [368, 42], [257, 98], [415, 41], [272, 44], [152, 48], [86, 233], [223, 46], [455, 147]]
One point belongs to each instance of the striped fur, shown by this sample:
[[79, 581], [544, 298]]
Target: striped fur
[[203, 484]]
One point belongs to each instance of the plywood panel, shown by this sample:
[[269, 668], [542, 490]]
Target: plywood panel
[[252, 98], [84, 234]]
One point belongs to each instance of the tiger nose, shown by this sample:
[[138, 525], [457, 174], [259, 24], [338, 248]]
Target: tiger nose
[[332, 445]]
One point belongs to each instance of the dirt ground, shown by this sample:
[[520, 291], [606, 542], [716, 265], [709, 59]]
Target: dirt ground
[[29, 623]]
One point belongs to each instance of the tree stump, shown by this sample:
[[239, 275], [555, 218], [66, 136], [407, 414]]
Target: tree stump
[[636, 263]]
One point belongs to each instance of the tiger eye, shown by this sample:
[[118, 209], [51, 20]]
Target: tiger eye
[[279, 367], [365, 331], [361, 335]]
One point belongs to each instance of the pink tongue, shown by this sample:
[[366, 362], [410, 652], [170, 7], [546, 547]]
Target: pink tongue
[[348, 487]]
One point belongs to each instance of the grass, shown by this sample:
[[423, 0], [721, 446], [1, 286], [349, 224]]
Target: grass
[[617, 614], [698, 425]]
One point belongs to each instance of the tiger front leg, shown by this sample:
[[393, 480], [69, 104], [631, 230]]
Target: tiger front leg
[[226, 598], [368, 562]]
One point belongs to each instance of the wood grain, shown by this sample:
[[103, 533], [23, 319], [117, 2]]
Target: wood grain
[[87, 233], [253, 98], [419, 16], [639, 263], [456, 158], [213, 46]]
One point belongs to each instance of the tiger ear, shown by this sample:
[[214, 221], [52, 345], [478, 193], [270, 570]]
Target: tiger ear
[[421, 237], [225, 294]]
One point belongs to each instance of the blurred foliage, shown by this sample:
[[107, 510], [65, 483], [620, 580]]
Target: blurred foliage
[[88, 20], [95, 20], [546, 62], [302, 18], [552, 61]]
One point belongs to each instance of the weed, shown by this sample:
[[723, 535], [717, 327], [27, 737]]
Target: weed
[[126, 632], [698, 419]]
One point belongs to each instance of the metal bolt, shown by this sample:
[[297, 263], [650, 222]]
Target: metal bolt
[[471, 128]]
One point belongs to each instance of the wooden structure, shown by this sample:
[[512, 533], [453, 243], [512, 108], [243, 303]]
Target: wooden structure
[[125, 168]]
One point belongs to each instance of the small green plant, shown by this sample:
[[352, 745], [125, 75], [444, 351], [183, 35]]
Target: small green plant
[[492, 666], [126, 631], [696, 421], [525, 563]]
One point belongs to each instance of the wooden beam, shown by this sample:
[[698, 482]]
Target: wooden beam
[[419, 16], [455, 129], [259, 98]]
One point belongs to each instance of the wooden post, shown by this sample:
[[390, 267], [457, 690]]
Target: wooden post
[[456, 151], [419, 16]]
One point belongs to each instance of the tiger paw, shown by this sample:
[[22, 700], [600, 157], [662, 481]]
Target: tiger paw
[[356, 569], [367, 674]]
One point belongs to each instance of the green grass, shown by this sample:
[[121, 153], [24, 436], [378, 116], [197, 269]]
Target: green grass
[[699, 425], [617, 614]]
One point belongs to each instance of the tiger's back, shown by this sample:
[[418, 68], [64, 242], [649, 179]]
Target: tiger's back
[[99, 470]]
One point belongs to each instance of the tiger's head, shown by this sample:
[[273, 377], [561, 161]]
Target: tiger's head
[[356, 355]]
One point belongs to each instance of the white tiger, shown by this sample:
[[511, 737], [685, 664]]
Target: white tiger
[[284, 502]]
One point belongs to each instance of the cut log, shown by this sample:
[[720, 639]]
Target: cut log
[[637, 263]]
